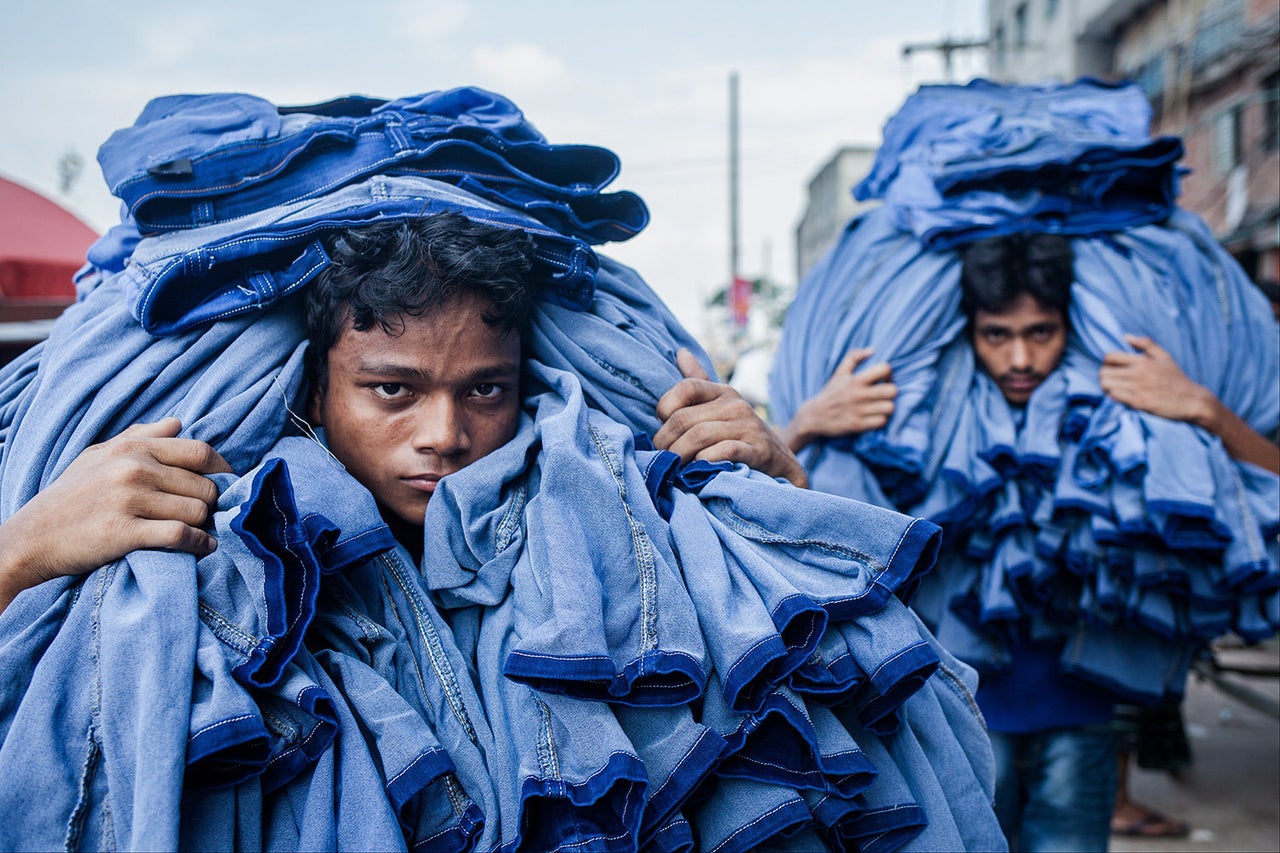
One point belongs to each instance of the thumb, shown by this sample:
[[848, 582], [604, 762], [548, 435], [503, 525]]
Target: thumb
[[1144, 344], [853, 358], [689, 365]]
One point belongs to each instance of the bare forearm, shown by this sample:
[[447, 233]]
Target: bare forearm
[[1239, 439], [796, 434], [17, 571]]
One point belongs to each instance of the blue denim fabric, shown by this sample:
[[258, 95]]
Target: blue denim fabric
[[182, 279], [623, 349], [194, 160], [331, 694], [963, 162], [1055, 788]]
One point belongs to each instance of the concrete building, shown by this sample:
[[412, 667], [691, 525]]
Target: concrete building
[[831, 204], [1034, 41], [1211, 70]]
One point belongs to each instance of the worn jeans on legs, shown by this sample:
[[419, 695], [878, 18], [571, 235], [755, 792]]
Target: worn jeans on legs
[[1055, 788]]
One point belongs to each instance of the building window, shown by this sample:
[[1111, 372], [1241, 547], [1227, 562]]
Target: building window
[[1226, 140], [1150, 77], [1271, 112], [1218, 29], [1020, 25]]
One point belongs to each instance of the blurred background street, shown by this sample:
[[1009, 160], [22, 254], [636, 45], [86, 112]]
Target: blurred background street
[[1230, 795]]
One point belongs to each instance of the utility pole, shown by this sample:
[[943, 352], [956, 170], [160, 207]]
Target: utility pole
[[733, 177], [946, 47]]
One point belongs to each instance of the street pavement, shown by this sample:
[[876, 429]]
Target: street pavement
[[1230, 795]]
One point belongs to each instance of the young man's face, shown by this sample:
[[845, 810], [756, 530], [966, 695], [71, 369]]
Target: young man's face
[[1019, 346], [402, 411]]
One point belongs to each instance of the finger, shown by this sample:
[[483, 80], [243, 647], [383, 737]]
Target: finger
[[698, 437], [689, 365], [870, 421], [1142, 343], [687, 393], [876, 373], [877, 407], [191, 454], [852, 359], [153, 478], [163, 428], [171, 535], [1154, 350], [730, 450], [725, 412], [1120, 359], [161, 506]]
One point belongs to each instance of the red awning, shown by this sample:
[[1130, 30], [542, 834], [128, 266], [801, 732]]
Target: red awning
[[42, 244]]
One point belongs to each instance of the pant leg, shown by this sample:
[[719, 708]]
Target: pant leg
[[1009, 751], [1071, 790]]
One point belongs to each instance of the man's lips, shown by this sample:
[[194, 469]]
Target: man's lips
[[1021, 382], [422, 482]]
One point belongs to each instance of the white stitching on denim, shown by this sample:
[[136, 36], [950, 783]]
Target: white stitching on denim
[[434, 652], [729, 840], [640, 545], [228, 721]]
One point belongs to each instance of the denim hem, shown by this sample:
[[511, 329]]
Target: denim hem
[[683, 780], [886, 829], [780, 820], [893, 682], [675, 836], [283, 768], [917, 547], [654, 679], [344, 553], [428, 766], [227, 753], [754, 674], [605, 810], [775, 746], [268, 525], [800, 623], [459, 838]]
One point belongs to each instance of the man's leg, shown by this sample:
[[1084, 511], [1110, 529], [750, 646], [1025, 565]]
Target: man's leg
[[1010, 754], [1071, 791]]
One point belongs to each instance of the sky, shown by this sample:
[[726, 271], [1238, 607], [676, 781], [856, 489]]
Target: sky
[[649, 80]]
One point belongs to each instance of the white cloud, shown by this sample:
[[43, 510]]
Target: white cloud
[[520, 66], [434, 21]]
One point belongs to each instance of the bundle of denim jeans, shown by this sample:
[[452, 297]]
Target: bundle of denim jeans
[[601, 648], [1136, 537], [958, 163]]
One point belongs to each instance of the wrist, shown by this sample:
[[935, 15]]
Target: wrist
[[795, 435], [1207, 411]]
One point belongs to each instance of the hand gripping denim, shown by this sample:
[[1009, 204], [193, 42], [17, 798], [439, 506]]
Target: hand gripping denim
[[194, 160], [232, 385], [409, 739]]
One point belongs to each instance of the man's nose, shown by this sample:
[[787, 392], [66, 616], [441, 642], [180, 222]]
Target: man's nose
[[440, 427], [1019, 355]]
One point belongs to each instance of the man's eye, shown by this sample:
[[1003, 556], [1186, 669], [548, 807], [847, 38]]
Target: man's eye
[[995, 336], [487, 389], [390, 390]]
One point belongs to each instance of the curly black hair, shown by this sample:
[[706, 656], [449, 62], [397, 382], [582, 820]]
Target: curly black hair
[[995, 271], [385, 271]]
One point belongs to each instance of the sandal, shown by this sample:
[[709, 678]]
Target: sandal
[[1150, 825]]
